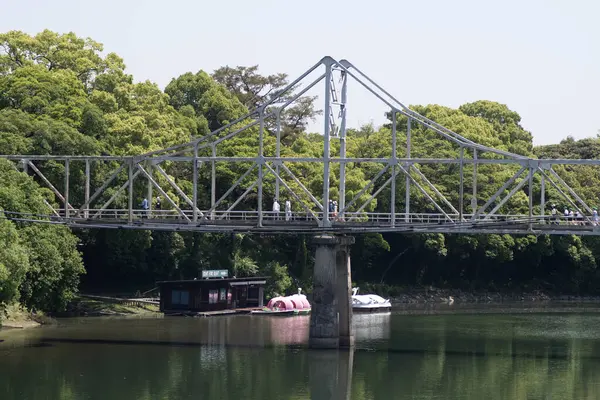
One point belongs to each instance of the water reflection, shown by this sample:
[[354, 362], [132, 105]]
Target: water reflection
[[370, 327], [534, 356]]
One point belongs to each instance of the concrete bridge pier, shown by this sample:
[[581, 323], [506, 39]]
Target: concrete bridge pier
[[331, 315]]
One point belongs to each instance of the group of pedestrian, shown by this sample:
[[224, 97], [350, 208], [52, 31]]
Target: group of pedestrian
[[288, 210], [571, 217], [146, 206]]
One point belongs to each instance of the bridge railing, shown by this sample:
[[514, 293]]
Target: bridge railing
[[306, 218]]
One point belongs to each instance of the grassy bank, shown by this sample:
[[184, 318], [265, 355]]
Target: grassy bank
[[88, 307], [15, 316]]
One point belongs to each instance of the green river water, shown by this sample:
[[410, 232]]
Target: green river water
[[445, 353]]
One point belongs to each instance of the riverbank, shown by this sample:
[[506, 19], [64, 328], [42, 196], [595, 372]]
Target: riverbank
[[429, 295], [16, 317], [95, 306]]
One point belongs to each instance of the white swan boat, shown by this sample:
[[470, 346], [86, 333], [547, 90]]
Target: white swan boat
[[369, 302]]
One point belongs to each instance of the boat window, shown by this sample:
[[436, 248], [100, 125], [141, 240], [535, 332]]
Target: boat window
[[180, 297], [213, 296], [222, 294]]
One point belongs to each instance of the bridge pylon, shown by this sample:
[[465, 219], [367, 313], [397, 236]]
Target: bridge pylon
[[331, 316]]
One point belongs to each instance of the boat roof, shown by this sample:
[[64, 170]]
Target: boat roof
[[204, 280]]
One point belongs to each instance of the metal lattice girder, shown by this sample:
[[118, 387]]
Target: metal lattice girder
[[109, 196]]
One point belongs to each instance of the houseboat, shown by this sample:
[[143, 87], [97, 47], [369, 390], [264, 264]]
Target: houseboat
[[214, 293]]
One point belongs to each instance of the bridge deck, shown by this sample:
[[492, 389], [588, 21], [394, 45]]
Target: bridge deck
[[250, 221]]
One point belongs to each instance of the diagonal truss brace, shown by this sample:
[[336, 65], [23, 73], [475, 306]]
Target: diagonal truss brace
[[178, 189], [498, 193], [298, 199], [162, 192], [50, 185], [228, 192]]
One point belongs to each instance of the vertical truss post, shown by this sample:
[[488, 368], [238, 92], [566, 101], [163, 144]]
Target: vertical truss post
[[474, 198], [261, 119], [326, 223], [394, 170], [543, 196], [130, 191], [461, 189], [213, 180], [343, 109], [408, 166], [25, 164], [86, 213], [530, 183], [67, 188], [278, 152], [149, 192], [195, 184]]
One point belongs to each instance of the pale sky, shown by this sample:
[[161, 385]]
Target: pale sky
[[541, 58]]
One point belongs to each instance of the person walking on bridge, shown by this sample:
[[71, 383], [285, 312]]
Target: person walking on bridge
[[288, 210], [554, 213], [145, 208], [276, 209]]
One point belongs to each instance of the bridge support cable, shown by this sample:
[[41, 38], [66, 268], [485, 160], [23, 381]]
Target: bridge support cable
[[289, 87], [450, 135]]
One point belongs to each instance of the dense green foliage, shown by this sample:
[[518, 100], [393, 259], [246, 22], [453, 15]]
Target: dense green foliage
[[60, 95]]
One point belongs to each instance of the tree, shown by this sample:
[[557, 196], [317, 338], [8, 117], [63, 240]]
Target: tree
[[40, 261], [253, 90]]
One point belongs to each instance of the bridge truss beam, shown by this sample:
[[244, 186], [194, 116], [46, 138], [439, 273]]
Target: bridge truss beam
[[402, 195]]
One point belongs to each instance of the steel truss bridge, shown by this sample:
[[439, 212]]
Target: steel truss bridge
[[106, 191]]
